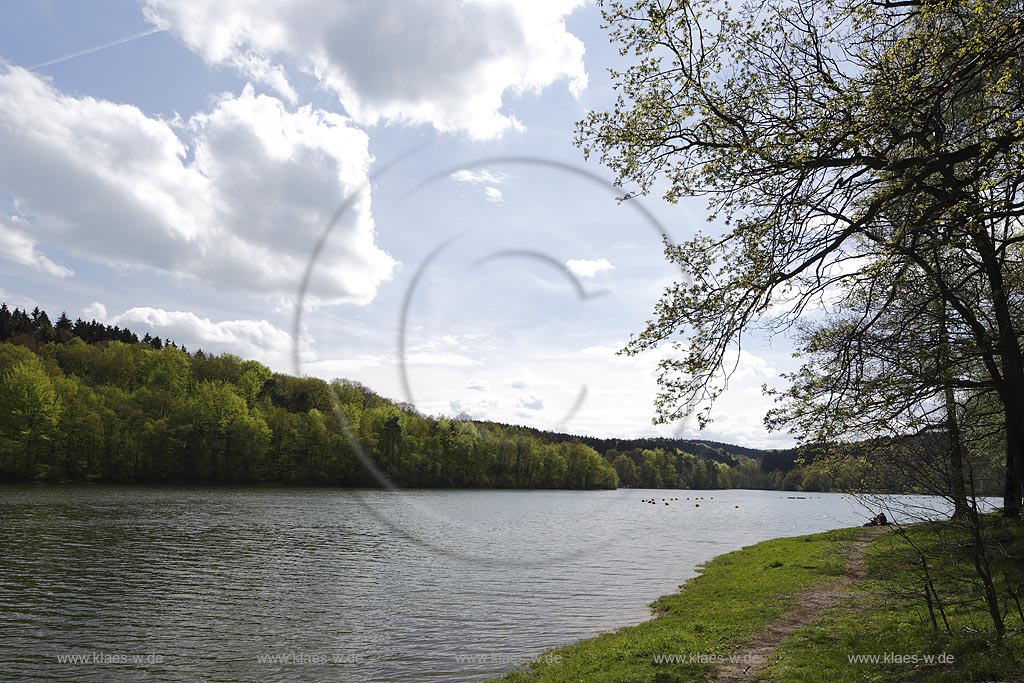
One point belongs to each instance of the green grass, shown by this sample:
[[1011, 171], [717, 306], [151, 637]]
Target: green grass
[[739, 594], [736, 595], [883, 617]]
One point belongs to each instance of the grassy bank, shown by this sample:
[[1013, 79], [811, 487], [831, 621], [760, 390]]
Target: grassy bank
[[738, 595], [889, 615]]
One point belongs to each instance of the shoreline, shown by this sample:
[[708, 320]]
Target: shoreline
[[694, 628], [343, 487], [792, 609]]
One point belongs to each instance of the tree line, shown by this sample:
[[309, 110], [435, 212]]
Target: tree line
[[84, 401], [713, 450], [863, 162]]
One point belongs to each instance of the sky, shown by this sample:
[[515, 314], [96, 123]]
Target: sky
[[179, 167]]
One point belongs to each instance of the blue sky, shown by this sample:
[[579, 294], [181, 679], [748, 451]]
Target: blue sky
[[169, 166]]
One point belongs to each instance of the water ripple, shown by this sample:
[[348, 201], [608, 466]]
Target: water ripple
[[206, 582]]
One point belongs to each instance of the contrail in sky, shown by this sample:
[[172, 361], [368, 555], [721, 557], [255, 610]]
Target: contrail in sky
[[120, 41]]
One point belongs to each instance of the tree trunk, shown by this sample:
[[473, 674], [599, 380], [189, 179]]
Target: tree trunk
[[1013, 414], [957, 485], [983, 569], [1012, 490], [955, 481], [1012, 361]]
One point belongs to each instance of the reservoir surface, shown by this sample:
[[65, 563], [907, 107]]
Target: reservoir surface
[[133, 583]]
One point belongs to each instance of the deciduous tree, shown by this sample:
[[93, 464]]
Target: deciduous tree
[[829, 137]]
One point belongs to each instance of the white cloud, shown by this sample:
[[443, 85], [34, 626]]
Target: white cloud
[[482, 177], [445, 358], [95, 311], [475, 410], [18, 247], [531, 403], [823, 301], [341, 367], [446, 63], [15, 300], [476, 385], [114, 185], [251, 339], [579, 389], [748, 366], [462, 341], [450, 350], [588, 267], [439, 358]]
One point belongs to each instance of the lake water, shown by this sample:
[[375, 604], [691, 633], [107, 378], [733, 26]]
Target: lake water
[[190, 584]]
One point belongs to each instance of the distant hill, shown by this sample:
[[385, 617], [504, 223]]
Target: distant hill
[[85, 401], [771, 460]]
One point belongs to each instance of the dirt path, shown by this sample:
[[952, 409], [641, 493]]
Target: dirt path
[[810, 606]]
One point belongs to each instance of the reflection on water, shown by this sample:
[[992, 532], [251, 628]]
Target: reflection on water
[[187, 584]]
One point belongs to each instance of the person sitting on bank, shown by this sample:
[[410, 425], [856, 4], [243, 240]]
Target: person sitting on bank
[[878, 520]]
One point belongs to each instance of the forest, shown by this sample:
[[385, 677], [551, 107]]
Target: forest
[[87, 402]]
